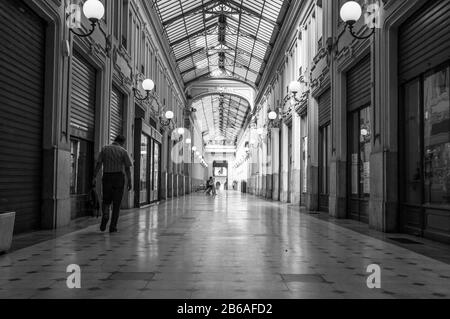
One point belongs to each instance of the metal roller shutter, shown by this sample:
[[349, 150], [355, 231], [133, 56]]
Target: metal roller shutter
[[116, 113], [22, 68], [359, 85], [83, 98], [424, 40], [325, 108]]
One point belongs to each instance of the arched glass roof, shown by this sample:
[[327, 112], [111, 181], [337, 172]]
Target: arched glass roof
[[222, 116], [221, 38]]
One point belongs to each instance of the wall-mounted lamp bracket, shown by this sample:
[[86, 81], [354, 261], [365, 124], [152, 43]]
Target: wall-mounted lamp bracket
[[139, 98], [353, 33], [81, 35]]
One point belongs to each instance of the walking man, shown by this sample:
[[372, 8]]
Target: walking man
[[115, 161]]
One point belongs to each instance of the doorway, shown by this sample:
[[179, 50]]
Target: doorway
[[81, 158], [425, 176]]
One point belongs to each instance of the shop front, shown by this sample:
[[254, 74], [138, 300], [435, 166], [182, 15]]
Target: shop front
[[22, 66], [359, 139], [82, 133], [424, 73], [147, 172], [324, 102]]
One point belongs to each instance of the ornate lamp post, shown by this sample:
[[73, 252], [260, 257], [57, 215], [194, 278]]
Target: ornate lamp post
[[94, 11], [167, 120], [350, 13], [148, 86]]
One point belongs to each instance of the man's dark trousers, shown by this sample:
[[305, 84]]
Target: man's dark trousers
[[113, 188]]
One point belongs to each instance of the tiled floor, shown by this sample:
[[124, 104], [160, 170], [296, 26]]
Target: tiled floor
[[231, 246]]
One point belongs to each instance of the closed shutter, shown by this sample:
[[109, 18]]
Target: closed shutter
[[116, 114], [325, 108], [83, 98], [424, 40], [359, 85], [22, 64]]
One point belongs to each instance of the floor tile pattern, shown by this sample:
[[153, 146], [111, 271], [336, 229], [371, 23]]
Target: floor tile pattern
[[230, 246]]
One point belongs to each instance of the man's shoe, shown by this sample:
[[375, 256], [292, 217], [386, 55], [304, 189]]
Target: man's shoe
[[113, 230], [103, 225]]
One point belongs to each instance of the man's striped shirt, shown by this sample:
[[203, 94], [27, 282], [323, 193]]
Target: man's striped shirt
[[114, 158]]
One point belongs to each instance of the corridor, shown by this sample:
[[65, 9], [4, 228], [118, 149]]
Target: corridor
[[232, 246]]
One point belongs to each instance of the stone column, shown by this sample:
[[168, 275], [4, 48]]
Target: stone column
[[268, 167], [312, 196], [284, 164], [384, 182], [275, 163], [263, 168], [296, 152]]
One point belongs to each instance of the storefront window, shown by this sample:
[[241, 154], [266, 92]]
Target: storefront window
[[436, 115], [365, 151], [144, 169], [413, 152], [360, 150], [325, 157], [304, 154], [73, 166], [81, 166], [156, 167]]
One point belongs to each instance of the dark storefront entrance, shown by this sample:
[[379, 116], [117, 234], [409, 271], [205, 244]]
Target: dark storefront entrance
[[147, 154], [82, 134], [359, 140], [324, 149], [22, 69], [424, 72]]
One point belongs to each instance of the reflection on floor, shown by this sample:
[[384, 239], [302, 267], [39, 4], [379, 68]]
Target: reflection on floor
[[231, 246]]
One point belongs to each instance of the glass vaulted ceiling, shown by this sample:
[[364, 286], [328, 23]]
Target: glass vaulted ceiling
[[221, 116], [221, 38]]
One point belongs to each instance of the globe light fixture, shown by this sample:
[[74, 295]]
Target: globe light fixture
[[273, 115], [364, 132], [188, 141], [350, 13], [295, 87], [169, 115], [180, 131], [272, 123], [94, 11], [148, 85], [167, 120], [194, 148]]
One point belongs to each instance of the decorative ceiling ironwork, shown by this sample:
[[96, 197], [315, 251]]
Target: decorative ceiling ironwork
[[221, 38]]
